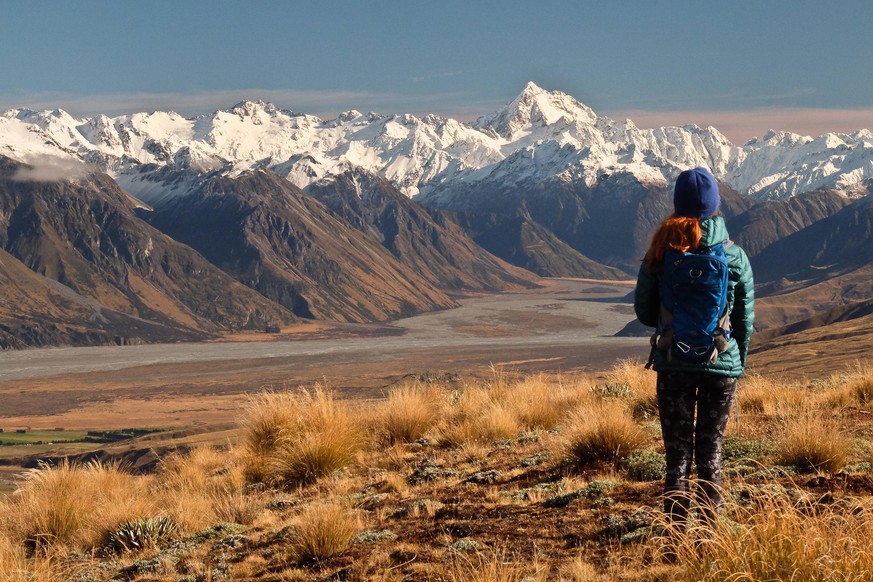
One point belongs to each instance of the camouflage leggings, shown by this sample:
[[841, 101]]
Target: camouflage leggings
[[679, 393]]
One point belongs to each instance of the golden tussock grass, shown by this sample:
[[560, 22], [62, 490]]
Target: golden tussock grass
[[408, 413], [813, 442], [633, 374], [475, 414], [203, 486], [298, 438], [16, 567], [506, 406], [75, 506], [775, 537], [495, 565], [602, 432], [322, 531], [474, 511]]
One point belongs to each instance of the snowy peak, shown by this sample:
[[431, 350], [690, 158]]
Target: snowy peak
[[253, 108], [540, 135], [535, 106]]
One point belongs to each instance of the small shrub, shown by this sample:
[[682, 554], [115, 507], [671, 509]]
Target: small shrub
[[466, 545], [745, 449], [601, 434], [142, 534], [374, 536], [322, 531], [645, 465], [612, 390], [598, 488]]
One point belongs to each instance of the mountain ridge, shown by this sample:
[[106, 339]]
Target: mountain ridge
[[547, 133]]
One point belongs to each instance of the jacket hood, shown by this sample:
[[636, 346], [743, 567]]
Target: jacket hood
[[713, 231]]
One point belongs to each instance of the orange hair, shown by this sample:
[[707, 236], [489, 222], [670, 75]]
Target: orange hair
[[676, 232]]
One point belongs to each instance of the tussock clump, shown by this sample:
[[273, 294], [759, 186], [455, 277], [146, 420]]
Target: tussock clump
[[478, 414], [777, 537], [630, 377], [758, 394], [811, 442], [862, 389], [204, 486], [299, 438], [600, 433], [322, 531], [494, 565], [539, 404], [409, 412], [75, 506], [506, 406]]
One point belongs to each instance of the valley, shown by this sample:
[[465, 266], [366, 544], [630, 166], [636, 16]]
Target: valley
[[566, 325]]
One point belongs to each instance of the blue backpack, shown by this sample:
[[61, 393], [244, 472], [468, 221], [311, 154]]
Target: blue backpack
[[694, 324]]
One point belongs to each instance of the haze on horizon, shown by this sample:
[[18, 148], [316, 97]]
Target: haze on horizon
[[743, 67]]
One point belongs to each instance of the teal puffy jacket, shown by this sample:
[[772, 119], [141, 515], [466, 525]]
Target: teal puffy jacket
[[741, 305]]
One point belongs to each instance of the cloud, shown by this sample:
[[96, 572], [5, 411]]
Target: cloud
[[740, 126], [48, 168]]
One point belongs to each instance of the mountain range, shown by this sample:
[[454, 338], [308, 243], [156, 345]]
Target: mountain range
[[370, 217]]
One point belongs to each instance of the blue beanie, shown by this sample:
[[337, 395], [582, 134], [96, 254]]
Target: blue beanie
[[696, 194]]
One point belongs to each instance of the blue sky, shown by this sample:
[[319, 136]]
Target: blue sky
[[743, 66]]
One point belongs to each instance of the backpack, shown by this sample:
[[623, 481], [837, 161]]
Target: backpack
[[694, 325]]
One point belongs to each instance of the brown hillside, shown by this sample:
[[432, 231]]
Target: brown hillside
[[282, 242], [85, 235]]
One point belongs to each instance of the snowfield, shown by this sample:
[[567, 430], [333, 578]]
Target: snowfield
[[540, 135]]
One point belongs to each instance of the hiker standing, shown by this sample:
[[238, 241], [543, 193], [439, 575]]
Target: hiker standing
[[695, 287]]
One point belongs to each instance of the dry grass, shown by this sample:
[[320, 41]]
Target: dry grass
[[498, 504], [322, 531], [478, 414], [632, 374], [204, 486], [506, 406], [604, 432], [298, 438], [497, 565], [75, 506], [777, 538], [16, 567], [409, 413], [813, 442]]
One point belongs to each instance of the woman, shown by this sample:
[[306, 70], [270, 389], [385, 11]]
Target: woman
[[710, 385]]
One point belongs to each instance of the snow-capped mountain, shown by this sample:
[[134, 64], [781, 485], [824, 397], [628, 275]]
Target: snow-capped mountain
[[539, 135]]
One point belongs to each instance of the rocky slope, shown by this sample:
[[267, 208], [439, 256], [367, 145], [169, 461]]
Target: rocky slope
[[278, 240], [429, 242], [84, 234]]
